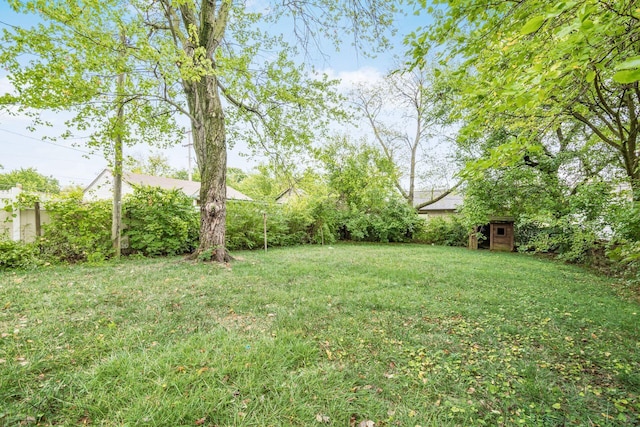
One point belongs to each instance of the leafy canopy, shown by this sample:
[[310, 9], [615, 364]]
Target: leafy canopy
[[30, 179], [530, 66], [69, 62]]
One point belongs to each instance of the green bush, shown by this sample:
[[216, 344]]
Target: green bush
[[624, 249], [305, 220], [392, 221], [444, 231], [311, 219], [569, 238], [77, 231], [160, 222], [245, 225], [17, 254]]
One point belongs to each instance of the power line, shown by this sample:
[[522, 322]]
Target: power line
[[47, 142], [8, 25]]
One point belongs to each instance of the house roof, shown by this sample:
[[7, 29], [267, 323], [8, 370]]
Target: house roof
[[451, 202], [190, 188]]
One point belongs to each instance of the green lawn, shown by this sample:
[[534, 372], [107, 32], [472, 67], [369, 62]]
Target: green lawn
[[400, 335]]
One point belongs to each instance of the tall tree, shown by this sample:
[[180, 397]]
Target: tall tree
[[217, 63], [407, 117], [76, 60], [530, 66], [358, 173]]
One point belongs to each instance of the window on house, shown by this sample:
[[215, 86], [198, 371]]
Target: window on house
[[501, 231]]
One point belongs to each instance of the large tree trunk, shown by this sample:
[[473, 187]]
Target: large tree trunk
[[209, 142]]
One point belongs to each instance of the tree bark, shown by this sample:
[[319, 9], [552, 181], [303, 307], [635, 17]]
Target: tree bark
[[209, 142], [116, 219]]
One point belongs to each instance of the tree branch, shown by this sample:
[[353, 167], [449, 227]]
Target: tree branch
[[218, 25], [239, 104], [597, 131], [437, 199]]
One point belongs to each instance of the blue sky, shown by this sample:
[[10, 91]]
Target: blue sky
[[20, 148]]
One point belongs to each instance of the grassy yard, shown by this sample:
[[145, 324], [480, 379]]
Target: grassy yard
[[400, 335]]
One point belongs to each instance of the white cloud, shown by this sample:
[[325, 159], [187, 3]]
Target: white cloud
[[365, 76]]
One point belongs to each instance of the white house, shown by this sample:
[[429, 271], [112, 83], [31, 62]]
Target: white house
[[102, 187]]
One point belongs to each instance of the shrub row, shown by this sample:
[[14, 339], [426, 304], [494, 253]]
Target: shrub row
[[158, 222]]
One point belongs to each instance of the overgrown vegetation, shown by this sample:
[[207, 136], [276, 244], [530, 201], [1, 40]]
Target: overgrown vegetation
[[337, 335], [77, 231], [445, 231], [17, 254], [160, 222]]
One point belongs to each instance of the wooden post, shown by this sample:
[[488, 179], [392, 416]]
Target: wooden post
[[264, 220], [473, 238], [37, 213]]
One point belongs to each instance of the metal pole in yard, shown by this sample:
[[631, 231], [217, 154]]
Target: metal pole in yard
[[264, 220]]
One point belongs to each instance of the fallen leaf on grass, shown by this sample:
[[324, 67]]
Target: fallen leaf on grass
[[322, 418], [201, 421], [367, 423]]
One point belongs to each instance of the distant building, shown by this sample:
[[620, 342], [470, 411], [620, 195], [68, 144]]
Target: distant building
[[446, 206], [19, 222], [102, 187]]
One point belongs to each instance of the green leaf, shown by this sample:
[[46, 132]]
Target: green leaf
[[532, 25], [591, 75], [629, 63], [587, 25], [627, 76]]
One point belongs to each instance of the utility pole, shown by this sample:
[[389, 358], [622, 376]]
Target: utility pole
[[189, 144]]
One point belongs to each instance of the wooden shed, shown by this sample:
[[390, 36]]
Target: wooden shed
[[499, 233]]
